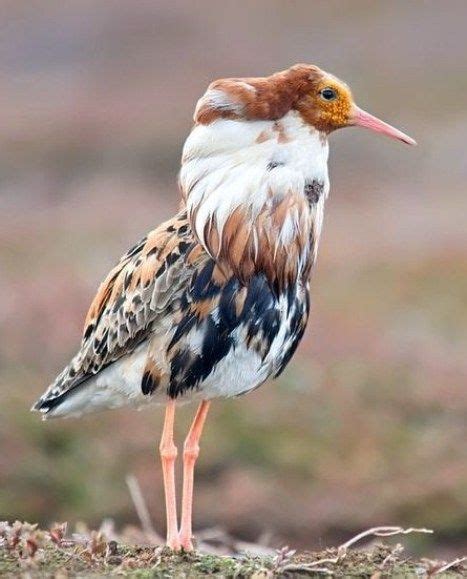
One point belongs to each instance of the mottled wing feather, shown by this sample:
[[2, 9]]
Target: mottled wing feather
[[144, 286]]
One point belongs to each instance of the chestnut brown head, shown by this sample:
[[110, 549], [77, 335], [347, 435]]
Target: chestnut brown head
[[323, 101]]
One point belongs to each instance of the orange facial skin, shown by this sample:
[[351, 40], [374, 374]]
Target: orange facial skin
[[327, 115]]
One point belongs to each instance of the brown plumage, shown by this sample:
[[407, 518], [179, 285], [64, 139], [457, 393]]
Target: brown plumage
[[262, 98], [215, 301]]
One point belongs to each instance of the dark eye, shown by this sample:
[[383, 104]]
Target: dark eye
[[328, 94]]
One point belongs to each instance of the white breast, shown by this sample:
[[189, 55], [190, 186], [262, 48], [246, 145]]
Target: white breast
[[226, 164]]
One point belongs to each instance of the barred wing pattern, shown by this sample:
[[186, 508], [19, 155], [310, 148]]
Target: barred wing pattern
[[144, 286]]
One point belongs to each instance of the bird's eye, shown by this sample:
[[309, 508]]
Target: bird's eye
[[328, 94]]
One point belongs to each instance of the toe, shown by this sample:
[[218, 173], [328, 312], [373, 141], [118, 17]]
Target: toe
[[186, 543], [174, 544]]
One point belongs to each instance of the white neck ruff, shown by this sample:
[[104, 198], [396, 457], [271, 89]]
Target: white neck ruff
[[256, 167]]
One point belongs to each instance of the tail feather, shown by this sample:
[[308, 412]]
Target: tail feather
[[75, 393], [58, 391]]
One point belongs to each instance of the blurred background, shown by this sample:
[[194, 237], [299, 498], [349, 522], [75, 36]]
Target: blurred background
[[368, 425]]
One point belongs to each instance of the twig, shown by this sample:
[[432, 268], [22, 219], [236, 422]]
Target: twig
[[381, 532], [450, 565], [141, 508], [343, 549], [282, 558], [398, 549], [297, 568]]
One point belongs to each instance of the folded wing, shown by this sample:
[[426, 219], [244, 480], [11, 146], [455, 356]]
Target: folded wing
[[144, 287]]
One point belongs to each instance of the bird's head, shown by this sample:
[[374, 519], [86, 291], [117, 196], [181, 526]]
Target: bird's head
[[323, 101]]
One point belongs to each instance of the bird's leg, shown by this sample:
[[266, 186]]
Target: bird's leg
[[190, 454], [168, 452]]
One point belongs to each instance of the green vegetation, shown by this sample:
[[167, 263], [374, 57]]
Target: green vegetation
[[26, 549]]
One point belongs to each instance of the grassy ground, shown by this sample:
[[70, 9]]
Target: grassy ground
[[31, 552], [366, 425]]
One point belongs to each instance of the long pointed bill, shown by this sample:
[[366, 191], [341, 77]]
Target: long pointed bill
[[361, 118]]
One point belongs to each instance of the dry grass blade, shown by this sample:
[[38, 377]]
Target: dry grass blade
[[295, 568], [450, 565], [343, 549], [398, 549], [282, 558], [381, 532], [142, 510]]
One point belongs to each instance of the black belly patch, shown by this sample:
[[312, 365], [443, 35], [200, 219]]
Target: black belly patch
[[313, 191], [200, 343]]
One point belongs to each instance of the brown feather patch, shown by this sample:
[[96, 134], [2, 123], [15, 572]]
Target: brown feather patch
[[248, 246], [262, 98]]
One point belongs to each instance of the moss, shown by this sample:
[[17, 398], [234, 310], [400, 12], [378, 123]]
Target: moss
[[52, 560]]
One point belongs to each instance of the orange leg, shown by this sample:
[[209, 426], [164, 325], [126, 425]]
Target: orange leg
[[168, 452], [190, 454]]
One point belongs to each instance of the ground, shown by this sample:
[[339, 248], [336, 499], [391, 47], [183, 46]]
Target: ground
[[31, 552]]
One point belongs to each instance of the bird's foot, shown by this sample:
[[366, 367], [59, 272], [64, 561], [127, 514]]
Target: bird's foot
[[186, 543], [174, 543], [180, 542]]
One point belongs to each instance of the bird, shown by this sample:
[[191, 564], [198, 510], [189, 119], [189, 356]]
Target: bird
[[214, 302]]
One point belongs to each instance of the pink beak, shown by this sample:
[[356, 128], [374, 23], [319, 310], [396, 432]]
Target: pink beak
[[361, 118]]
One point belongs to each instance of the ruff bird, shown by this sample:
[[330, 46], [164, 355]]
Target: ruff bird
[[213, 302]]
